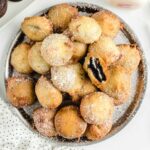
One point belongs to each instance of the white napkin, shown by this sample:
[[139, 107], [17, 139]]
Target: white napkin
[[15, 136]]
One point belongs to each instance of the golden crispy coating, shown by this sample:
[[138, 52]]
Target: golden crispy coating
[[106, 49], [20, 91], [79, 51], [130, 57], [57, 49], [61, 15], [36, 28], [43, 121], [97, 132], [48, 95], [87, 88], [108, 21], [69, 124], [96, 108], [96, 69], [71, 79], [85, 29], [118, 85], [36, 61], [68, 78], [19, 58]]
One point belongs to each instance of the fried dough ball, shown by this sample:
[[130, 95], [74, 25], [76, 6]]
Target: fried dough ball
[[87, 88], [130, 57], [118, 85], [19, 58], [96, 69], [61, 15], [71, 79], [36, 28], [79, 51], [43, 121], [69, 124], [97, 132], [108, 21], [85, 29], [48, 95], [106, 49], [96, 108], [36, 61], [20, 91], [57, 49], [67, 78]]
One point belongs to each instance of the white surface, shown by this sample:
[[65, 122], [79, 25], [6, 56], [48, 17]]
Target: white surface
[[13, 9], [136, 135]]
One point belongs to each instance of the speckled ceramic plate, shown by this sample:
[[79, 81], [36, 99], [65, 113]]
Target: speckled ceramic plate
[[123, 114]]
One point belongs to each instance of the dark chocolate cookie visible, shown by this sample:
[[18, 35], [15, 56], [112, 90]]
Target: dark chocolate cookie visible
[[3, 7]]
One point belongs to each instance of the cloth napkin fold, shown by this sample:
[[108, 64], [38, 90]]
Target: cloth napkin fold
[[14, 135]]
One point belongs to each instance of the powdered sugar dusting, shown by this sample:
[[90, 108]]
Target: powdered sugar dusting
[[67, 78], [119, 110]]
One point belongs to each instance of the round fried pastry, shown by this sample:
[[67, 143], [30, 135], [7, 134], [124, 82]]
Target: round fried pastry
[[19, 58], [69, 124], [20, 91], [86, 88], [97, 132], [130, 58], [57, 49], [36, 61], [96, 108], [85, 29], [68, 78], [106, 49], [36, 28], [79, 51], [108, 21], [96, 69], [43, 120], [60, 15], [118, 85], [47, 94]]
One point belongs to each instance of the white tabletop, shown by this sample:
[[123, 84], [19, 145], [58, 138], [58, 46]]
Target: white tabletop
[[13, 9], [136, 135]]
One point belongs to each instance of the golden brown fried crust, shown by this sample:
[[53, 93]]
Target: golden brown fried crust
[[47, 94], [43, 120], [20, 91], [118, 85], [60, 15], [57, 49], [19, 58], [106, 49], [79, 51], [69, 124], [68, 78], [36, 61], [130, 58], [97, 132], [109, 22], [90, 72], [86, 88], [84, 29], [96, 108], [36, 28], [71, 79]]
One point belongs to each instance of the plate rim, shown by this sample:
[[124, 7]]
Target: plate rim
[[128, 119]]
